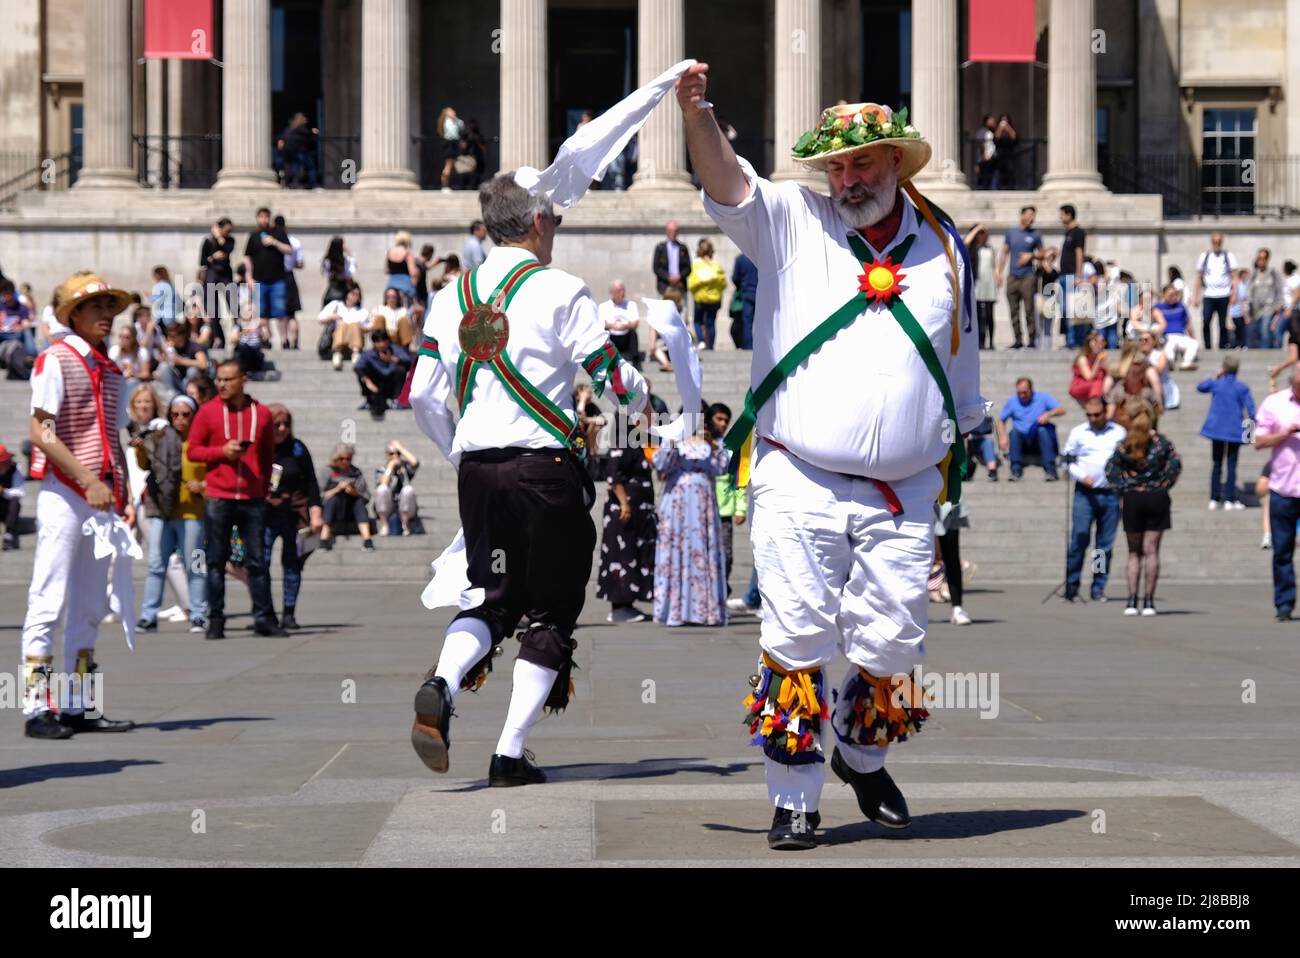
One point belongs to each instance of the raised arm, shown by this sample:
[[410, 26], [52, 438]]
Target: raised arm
[[712, 157]]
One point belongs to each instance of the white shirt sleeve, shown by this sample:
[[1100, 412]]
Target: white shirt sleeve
[[332, 308], [47, 384], [582, 333], [431, 387], [763, 224]]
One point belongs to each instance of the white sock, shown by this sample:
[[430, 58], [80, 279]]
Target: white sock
[[863, 758], [796, 787], [533, 684], [467, 641]]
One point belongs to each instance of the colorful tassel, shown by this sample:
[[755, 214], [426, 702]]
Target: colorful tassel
[[785, 711], [881, 710]]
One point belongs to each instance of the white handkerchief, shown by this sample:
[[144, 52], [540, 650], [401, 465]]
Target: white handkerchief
[[662, 315], [587, 154], [115, 542], [450, 584]]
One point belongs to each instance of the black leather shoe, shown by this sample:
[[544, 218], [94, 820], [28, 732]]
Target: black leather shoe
[[287, 621], [216, 630], [878, 796], [507, 772], [793, 831], [46, 725], [144, 625], [80, 723], [270, 630], [430, 733]]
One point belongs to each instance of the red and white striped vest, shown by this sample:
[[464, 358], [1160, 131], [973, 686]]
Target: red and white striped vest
[[87, 419]]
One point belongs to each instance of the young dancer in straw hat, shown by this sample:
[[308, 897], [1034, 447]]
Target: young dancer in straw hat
[[842, 443], [76, 455]]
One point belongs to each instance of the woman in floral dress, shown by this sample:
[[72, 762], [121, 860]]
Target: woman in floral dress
[[627, 548], [690, 576]]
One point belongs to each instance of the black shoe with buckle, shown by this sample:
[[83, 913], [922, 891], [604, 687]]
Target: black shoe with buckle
[[793, 831], [81, 723], [431, 731], [47, 725], [506, 772], [878, 796]]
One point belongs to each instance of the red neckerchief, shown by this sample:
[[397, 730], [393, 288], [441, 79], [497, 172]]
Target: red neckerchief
[[882, 233]]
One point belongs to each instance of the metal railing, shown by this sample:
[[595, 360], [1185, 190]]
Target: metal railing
[[1193, 186], [48, 173], [1021, 168], [190, 162]]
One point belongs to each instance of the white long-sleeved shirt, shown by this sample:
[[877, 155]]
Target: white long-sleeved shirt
[[1094, 450], [864, 403], [553, 327]]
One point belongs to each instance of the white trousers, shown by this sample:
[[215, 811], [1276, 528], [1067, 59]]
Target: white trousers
[[838, 572], [1176, 343], [65, 572]]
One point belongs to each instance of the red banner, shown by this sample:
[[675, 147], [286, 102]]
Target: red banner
[[1001, 31], [178, 30]]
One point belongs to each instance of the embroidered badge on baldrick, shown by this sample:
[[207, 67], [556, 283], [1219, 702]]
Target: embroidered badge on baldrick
[[484, 331]]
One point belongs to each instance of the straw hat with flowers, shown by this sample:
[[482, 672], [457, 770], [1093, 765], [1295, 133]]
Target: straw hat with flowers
[[82, 287], [849, 128]]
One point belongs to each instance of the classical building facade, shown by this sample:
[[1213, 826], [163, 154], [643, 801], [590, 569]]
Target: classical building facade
[[1151, 116]]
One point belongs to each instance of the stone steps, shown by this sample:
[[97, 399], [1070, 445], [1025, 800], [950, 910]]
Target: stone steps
[[1017, 529]]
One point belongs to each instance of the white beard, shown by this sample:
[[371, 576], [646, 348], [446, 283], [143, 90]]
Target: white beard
[[871, 210]]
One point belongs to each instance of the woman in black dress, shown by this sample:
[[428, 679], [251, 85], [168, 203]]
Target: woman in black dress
[[627, 548]]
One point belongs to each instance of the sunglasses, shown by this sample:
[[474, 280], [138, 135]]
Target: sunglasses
[[182, 412]]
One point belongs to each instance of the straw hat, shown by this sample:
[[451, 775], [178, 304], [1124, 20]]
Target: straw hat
[[81, 287], [852, 127]]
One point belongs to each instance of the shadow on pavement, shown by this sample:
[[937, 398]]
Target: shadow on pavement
[[946, 825], [182, 725], [10, 778], [611, 771]]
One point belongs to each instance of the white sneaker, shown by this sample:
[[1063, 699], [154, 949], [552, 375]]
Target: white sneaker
[[738, 605], [1236, 505], [109, 619], [1266, 542], [1214, 505], [337, 360], [174, 614], [959, 616]]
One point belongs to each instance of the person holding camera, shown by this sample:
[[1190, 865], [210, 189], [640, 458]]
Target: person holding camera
[[234, 436], [343, 494]]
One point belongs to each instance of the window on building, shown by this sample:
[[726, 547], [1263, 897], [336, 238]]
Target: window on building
[[76, 114], [1227, 144]]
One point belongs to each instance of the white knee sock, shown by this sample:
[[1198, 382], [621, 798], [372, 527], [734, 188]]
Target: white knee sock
[[863, 758], [467, 641], [532, 685], [796, 787]]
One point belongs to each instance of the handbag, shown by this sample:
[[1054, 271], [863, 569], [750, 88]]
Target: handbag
[[325, 345], [465, 164]]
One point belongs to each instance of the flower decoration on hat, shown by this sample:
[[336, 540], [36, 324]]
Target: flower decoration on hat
[[839, 131], [881, 280]]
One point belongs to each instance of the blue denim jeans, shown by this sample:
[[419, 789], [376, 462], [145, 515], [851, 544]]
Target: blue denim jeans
[[1283, 513], [1042, 440], [752, 598], [271, 300], [168, 537], [1225, 490], [282, 524], [1099, 506]]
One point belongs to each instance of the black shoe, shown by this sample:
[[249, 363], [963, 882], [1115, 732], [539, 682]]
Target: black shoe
[[993, 475], [878, 796], [11, 543], [270, 630], [144, 625], [46, 725], [1017, 345], [80, 723], [1284, 613], [368, 545], [1149, 605], [1051, 477], [1071, 595], [793, 831], [1132, 607], [507, 772], [1014, 477], [431, 732], [326, 545], [287, 621], [216, 630]]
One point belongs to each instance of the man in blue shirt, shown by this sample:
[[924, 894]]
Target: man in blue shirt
[[381, 372], [1095, 501], [1024, 249], [1031, 414]]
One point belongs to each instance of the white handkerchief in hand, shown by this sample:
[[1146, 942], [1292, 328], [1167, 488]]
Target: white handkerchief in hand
[[587, 154], [450, 584], [663, 317]]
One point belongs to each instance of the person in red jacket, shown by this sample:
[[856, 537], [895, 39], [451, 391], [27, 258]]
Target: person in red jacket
[[233, 434]]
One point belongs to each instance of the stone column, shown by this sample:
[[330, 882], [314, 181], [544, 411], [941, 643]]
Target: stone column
[[661, 42], [246, 96], [107, 161], [175, 120], [385, 96], [1071, 100], [935, 96], [524, 128], [155, 121], [798, 41]]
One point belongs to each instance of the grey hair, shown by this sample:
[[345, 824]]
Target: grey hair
[[343, 449], [508, 208]]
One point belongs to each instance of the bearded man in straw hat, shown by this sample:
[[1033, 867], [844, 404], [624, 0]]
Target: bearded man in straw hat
[[76, 455], [865, 376]]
